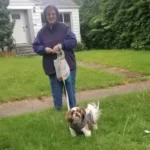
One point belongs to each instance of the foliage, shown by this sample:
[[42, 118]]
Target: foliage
[[78, 2], [6, 27], [80, 47], [115, 24]]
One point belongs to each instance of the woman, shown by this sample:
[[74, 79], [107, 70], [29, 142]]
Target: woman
[[49, 40]]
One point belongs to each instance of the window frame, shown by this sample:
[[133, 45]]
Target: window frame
[[64, 19], [16, 16]]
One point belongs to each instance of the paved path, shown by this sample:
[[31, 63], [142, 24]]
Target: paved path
[[34, 105]]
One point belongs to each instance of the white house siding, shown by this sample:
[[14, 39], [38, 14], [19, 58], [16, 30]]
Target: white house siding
[[75, 23], [21, 3], [29, 14], [37, 21]]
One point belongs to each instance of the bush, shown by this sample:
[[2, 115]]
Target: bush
[[80, 47], [116, 24]]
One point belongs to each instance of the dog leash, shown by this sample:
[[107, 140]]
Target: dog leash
[[61, 53], [67, 98]]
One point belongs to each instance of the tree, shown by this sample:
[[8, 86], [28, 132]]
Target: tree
[[118, 24], [6, 27], [88, 10], [78, 2]]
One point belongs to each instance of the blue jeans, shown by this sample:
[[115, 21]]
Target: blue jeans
[[57, 89]]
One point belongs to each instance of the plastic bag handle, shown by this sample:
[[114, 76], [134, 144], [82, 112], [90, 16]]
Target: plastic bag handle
[[61, 54]]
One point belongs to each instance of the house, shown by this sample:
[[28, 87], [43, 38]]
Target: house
[[28, 17]]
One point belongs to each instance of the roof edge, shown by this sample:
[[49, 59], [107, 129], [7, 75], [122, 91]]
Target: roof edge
[[65, 7]]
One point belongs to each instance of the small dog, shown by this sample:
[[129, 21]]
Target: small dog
[[82, 121]]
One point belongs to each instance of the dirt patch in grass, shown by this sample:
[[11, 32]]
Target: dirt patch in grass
[[114, 70]]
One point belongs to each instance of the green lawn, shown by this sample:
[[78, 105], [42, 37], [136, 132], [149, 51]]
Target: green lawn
[[24, 77], [123, 121], [137, 61]]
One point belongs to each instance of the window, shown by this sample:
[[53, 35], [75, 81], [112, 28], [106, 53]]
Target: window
[[42, 18], [65, 18], [15, 16], [61, 17]]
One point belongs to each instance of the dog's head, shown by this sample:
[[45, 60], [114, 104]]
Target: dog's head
[[75, 115]]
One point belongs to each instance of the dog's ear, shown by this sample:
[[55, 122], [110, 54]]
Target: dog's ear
[[82, 112], [69, 116]]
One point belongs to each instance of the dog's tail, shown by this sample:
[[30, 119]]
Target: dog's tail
[[94, 109]]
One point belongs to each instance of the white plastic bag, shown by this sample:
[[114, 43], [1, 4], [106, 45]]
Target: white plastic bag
[[61, 66]]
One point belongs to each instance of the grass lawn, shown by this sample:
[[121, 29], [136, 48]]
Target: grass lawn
[[121, 127], [137, 61], [24, 77]]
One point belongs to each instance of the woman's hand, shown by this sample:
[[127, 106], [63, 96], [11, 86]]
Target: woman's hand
[[48, 50], [57, 48]]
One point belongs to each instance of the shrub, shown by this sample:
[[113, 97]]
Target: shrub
[[117, 24], [80, 47]]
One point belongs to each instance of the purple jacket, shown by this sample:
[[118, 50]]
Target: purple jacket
[[49, 37]]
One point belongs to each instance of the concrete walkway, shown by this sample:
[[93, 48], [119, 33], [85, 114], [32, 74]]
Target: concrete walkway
[[34, 105]]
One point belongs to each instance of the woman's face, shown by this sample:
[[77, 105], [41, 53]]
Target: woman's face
[[51, 16]]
